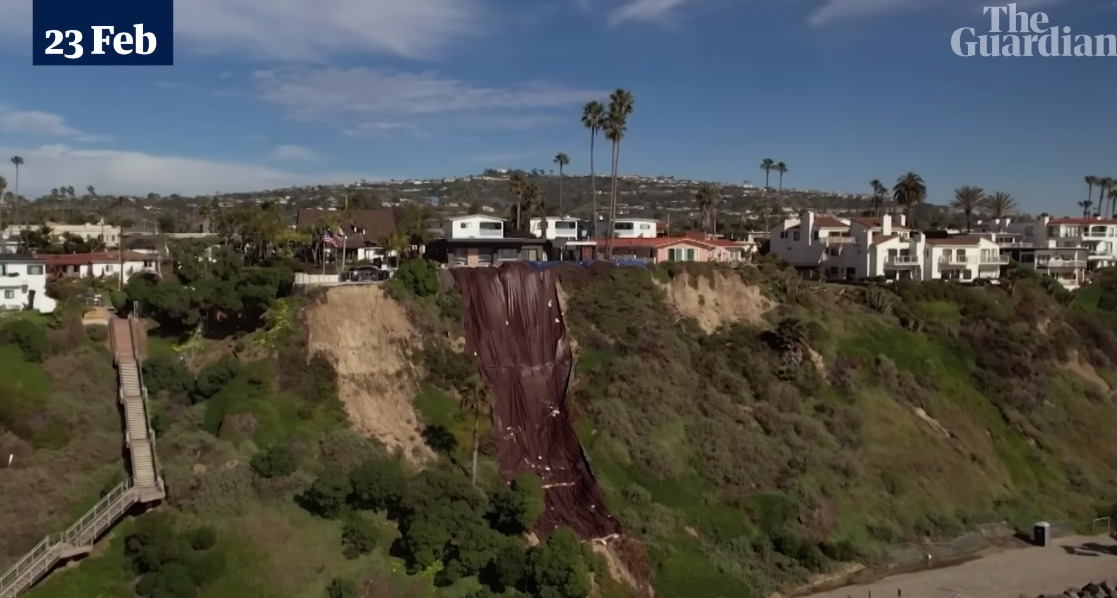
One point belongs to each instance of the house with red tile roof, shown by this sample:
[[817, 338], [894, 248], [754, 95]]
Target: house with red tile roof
[[99, 265], [691, 247], [1066, 249]]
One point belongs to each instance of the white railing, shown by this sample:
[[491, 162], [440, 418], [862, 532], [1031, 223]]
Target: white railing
[[1059, 263], [904, 260]]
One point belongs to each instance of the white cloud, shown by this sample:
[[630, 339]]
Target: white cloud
[[128, 172], [379, 129], [301, 30], [644, 10], [366, 101], [294, 152], [839, 10], [33, 122]]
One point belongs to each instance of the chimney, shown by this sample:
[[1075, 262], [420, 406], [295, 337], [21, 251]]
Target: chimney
[[901, 220], [886, 224], [806, 226]]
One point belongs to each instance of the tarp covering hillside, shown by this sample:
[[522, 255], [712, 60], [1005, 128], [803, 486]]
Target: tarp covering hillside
[[514, 328]]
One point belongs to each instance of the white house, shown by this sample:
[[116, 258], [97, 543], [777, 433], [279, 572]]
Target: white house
[[557, 228], [106, 233], [858, 248], [23, 283], [99, 265], [474, 226], [635, 228], [1065, 249]]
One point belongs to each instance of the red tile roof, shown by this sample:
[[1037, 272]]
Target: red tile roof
[[1083, 221]]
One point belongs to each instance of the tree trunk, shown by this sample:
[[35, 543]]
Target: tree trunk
[[612, 202], [560, 193], [593, 185], [781, 181], [473, 463]]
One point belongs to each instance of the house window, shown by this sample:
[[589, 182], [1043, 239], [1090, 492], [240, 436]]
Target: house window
[[491, 225], [623, 226], [463, 225], [645, 226], [9, 294], [35, 270], [566, 224], [1029, 231], [796, 235], [783, 234], [681, 255], [108, 268]]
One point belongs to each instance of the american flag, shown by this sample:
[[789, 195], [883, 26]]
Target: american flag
[[328, 239]]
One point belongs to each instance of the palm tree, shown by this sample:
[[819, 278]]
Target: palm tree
[[17, 162], [1112, 195], [781, 168], [879, 191], [968, 200], [593, 118], [999, 204], [395, 242], [1103, 184], [475, 401], [768, 165], [517, 187], [621, 104], [909, 191], [1086, 204], [562, 160], [707, 198]]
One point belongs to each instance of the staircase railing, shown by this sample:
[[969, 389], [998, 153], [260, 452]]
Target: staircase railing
[[143, 395], [42, 551]]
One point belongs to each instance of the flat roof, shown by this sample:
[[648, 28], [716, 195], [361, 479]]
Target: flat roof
[[473, 217]]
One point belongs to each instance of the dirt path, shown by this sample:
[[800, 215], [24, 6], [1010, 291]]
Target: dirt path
[[1072, 562]]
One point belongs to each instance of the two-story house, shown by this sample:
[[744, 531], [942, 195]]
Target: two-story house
[[480, 240], [1065, 249], [23, 283], [635, 228]]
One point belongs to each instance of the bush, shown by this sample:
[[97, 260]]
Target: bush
[[97, 333], [328, 494], [276, 462], [29, 337], [418, 277], [213, 378], [202, 538], [359, 536], [341, 588]]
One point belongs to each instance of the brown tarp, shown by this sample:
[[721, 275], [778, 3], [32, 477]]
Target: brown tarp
[[514, 328]]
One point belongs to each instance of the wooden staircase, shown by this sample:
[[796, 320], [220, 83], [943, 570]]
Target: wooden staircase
[[144, 486]]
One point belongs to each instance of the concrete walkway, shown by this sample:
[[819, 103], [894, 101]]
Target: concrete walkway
[[1071, 562]]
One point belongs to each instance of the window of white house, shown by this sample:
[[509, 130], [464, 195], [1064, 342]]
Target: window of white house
[[796, 236], [623, 226], [34, 269], [491, 225], [645, 226], [566, 224], [108, 268], [463, 225], [1029, 231], [9, 294]]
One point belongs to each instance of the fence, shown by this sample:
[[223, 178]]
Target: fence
[[304, 279]]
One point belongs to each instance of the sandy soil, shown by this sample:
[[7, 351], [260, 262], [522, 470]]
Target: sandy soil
[[729, 300], [367, 336], [1071, 562]]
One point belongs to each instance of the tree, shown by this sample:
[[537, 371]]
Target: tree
[[879, 193], [514, 508], [767, 165], [378, 485], [621, 105], [967, 200], [328, 494], [593, 118], [1091, 180], [999, 205], [557, 567], [17, 161], [562, 160], [1086, 204], [1103, 184], [909, 191], [781, 168], [517, 188], [707, 197], [275, 462], [475, 401]]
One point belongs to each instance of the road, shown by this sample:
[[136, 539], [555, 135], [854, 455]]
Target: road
[[1070, 562]]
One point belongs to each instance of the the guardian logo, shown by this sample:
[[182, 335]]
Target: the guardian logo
[[1015, 33]]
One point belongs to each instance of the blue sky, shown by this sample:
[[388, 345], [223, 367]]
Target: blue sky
[[265, 94]]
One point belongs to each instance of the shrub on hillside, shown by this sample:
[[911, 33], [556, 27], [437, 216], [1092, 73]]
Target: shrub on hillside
[[30, 337], [418, 277], [275, 462]]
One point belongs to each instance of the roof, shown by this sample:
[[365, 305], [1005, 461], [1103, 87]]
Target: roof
[[960, 240], [824, 222], [20, 258], [882, 239], [375, 224], [82, 259], [475, 217], [1082, 221], [872, 222], [660, 242]]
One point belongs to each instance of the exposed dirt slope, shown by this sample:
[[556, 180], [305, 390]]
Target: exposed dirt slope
[[728, 299], [368, 336]]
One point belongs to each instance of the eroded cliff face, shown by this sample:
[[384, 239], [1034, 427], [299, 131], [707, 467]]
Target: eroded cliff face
[[717, 300], [368, 337]]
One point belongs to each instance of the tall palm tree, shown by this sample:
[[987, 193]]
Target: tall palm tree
[[621, 104], [879, 191], [562, 160], [1086, 204], [909, 191], [517, 188], [1103, 184], [782, 169], [475, 401], [593, 118], [1112, 195], [1091, 180], [968, 200], [999, 204], [707, 198], [17, 162], [768, 165]]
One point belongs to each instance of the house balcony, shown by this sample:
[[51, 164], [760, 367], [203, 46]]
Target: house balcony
[[995, 260], [836, 240], [1061, 264], [903, 260]]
